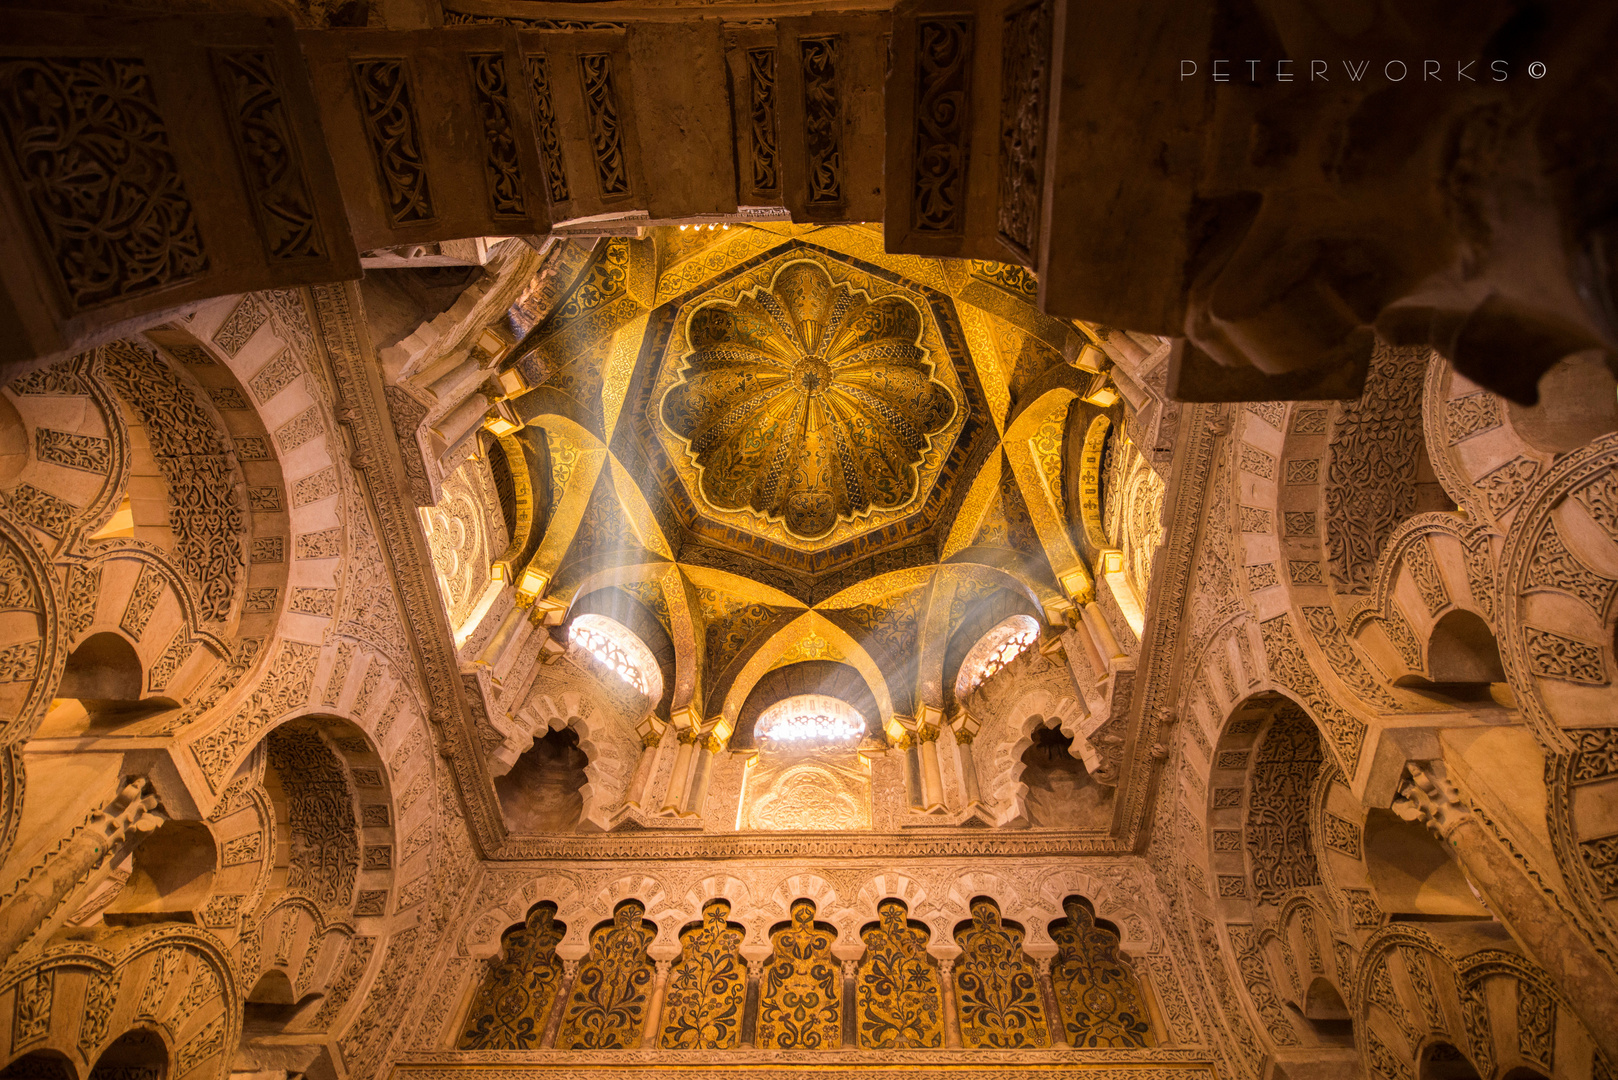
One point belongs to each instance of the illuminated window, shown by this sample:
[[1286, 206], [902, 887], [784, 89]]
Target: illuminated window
[[617, 648], [994, 650], [810, 720]]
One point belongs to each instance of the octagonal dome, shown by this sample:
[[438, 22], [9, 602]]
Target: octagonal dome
[[807, 401]]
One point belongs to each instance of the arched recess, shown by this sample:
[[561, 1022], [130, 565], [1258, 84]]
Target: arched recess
[[1100, 1002], [82, 1000], [334, 856], [543, 794], [1270, 898], [170, 878], [1465, 987], [102, 689], [40, 1065], [1462, 649], [517, 994], [1033, 693], [137, 1053]]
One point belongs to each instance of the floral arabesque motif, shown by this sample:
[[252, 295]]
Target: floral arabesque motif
[[800, 1003], [896, 989], [515, 999], [607, 1009], [996, 992], [807, 402], [708, 988], [1096, 993]]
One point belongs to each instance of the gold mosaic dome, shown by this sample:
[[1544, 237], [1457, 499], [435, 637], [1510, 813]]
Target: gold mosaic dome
[[807, 401]]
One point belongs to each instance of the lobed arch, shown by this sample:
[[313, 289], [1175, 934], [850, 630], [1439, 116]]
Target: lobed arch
[[1030, 693], [80, 998], [1466, 987], [610, 738]]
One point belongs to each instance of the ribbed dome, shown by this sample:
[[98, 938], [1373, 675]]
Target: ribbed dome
[[807, 401]]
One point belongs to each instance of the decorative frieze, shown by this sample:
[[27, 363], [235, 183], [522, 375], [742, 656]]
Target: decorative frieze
[[943, 124], [501, 168], [115, 214], [387, 104]]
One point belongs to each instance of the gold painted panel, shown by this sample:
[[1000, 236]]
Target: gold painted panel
[[607, 1009], [511, 1007], [702, 1008], [897, 997], [801, 1001], [1096, 992], [996, 985]]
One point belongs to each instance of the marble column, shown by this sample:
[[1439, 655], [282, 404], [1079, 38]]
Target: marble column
[[654, 1009], [932, 780], [969, 767], [570, 968], [755, 983], [952, 1024], [1527, 910], [674, 798], [702, 765], [650, 740], [1053, 1014], [851, 1035]]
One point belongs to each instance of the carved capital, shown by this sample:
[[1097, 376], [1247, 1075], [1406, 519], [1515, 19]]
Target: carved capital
[[1427, 796], [926, 733], [131, 814]]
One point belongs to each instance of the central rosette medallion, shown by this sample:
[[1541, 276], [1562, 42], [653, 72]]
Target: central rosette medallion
[[807, 401]]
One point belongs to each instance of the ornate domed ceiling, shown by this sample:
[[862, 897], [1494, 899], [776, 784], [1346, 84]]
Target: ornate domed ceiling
[[807, 400], [790, 461]]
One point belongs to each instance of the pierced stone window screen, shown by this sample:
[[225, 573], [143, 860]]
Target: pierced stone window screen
[[616, 647], [1003, 643], [810, 720]]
